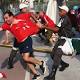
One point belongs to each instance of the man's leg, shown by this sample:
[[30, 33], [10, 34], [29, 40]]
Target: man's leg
[[13, 54], [28, 58], [33, 70], [11, 58], [57, 58]]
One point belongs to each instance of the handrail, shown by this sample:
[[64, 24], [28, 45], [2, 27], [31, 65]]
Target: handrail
[[37, 49]]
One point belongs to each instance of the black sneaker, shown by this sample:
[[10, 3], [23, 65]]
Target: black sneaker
[[51, 76], [35, 76], [10, 66], [63, 67], [42, 67]]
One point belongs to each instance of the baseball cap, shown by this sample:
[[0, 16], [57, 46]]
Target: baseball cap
[[23, 5], [64, 7]]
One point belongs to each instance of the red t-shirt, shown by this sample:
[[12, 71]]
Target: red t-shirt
[[24, 16], [22, 29], [50, 22]]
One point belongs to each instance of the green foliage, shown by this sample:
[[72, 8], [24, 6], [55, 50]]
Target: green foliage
[[41, 1], [9, 1], [75, 0]]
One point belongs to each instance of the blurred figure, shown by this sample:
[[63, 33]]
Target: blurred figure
[[54, 38], [73, 19], [1, 17], [47, 21], [42, 21], [2, 75], [78, 19]]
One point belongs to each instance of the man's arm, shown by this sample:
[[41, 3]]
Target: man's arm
[[33, 17], [55, 29]]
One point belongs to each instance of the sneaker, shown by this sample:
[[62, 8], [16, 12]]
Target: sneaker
[[42, 67], [35, 76], [63, 67], [10, 67], [51, 76]]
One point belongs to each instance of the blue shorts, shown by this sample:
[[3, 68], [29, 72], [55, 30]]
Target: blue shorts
[[15, 44], [26, 46]]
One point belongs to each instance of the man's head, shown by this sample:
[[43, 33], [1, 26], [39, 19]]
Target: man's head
[[41, 13], [63, 10], [23, 7], [8, 17]]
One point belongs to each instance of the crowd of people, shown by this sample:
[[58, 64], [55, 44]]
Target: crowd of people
[[27, 23]]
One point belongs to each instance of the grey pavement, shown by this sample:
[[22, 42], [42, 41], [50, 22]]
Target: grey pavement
[[19, 73]]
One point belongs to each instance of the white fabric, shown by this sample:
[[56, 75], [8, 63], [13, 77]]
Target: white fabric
[[67, 48], [60, 22], [52, 11]]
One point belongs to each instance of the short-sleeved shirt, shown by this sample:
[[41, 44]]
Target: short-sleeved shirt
[[21, 30], [24, 16]]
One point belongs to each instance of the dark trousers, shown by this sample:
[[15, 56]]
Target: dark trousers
[[56, 56], [57, 52]]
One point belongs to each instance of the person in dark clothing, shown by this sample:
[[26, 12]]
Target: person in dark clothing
[[73, 20], [65, 30], [78, 19], [13, 53]]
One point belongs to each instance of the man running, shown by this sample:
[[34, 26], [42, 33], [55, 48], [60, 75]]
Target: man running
[[22, 30]]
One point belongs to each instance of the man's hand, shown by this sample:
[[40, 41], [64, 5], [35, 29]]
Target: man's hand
[[1, 29], [40, 25]]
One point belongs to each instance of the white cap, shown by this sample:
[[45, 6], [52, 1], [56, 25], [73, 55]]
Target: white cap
[[64, 8], [23, 5]]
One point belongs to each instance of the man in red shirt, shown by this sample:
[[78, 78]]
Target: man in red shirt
[[24, 15], [22, 30], [49, 23]]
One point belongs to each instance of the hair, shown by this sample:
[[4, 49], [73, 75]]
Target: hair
[[37, 12], [9, 13]]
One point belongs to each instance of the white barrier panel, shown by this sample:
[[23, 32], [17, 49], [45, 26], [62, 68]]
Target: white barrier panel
[[28, 75]]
